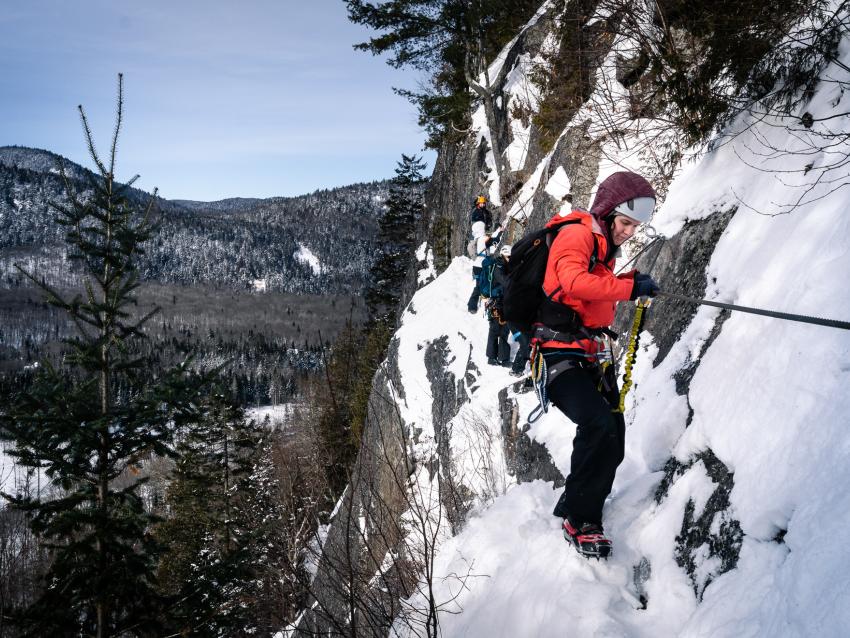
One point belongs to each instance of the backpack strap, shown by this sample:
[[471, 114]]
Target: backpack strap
[[594, 256]]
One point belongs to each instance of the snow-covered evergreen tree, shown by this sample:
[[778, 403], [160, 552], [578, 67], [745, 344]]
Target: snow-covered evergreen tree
[[396, 236], [220, 531], [90, 424]]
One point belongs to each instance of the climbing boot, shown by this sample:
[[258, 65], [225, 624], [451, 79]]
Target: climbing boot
[[588, 539]]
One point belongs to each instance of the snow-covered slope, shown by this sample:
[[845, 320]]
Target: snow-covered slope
[[767, 399]]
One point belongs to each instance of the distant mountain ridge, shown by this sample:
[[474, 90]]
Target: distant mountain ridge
[[231, 242], [40, 161], [229, 203]]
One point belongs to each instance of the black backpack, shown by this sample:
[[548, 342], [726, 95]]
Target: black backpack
[[522, 295]]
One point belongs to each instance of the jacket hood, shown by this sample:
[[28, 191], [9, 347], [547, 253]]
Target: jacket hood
[[616, 189], [592, 223], [576, 213]]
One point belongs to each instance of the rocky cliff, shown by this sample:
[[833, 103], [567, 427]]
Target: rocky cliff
[[447, 517]]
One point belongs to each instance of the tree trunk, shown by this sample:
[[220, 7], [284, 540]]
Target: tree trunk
[[473, 69], [103, 452]]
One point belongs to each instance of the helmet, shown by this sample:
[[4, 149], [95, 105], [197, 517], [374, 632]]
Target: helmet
[[640, 209], [505, 251], [481, 200]]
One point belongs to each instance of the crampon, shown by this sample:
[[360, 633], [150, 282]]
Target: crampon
[[589, 540]]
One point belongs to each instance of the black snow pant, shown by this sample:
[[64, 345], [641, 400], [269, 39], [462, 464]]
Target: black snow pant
[[522, 353], [472, 306], [599, 443], [497, 341]]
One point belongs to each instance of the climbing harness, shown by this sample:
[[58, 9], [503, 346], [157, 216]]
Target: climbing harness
[[634, 339], [604, 354], [543, 373], [818, 321], [493, 309]]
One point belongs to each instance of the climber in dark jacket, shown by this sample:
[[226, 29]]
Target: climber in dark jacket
[[579, 386], [500, 335], [481, 214], [498, 348]]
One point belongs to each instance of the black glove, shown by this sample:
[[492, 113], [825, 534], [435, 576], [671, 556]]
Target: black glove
[[644, 286]]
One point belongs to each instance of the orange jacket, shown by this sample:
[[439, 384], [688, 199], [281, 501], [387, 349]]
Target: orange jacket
[[593, 295]]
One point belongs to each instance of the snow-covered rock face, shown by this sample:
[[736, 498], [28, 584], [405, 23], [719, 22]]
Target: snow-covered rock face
[[728, 514], [431, 429], [464, 171]]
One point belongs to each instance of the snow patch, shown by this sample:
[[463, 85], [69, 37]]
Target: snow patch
[[305, 256], [428, 271], [559, 184], [278, 415]]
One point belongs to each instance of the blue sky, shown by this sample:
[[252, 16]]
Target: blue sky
[[222, 99]]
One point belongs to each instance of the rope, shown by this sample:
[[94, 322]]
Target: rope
[[818, 321], [495, 314], [508, 232], [631, 353], [539, 372]]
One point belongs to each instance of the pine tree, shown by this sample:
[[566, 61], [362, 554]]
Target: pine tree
[[264, 518], [333, 401], [396, 235], [222, 515], [89, 425], [450, 40]]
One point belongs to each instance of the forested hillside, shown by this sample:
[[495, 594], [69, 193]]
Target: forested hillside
[[316, 243], [257, 285], [139, 497]]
